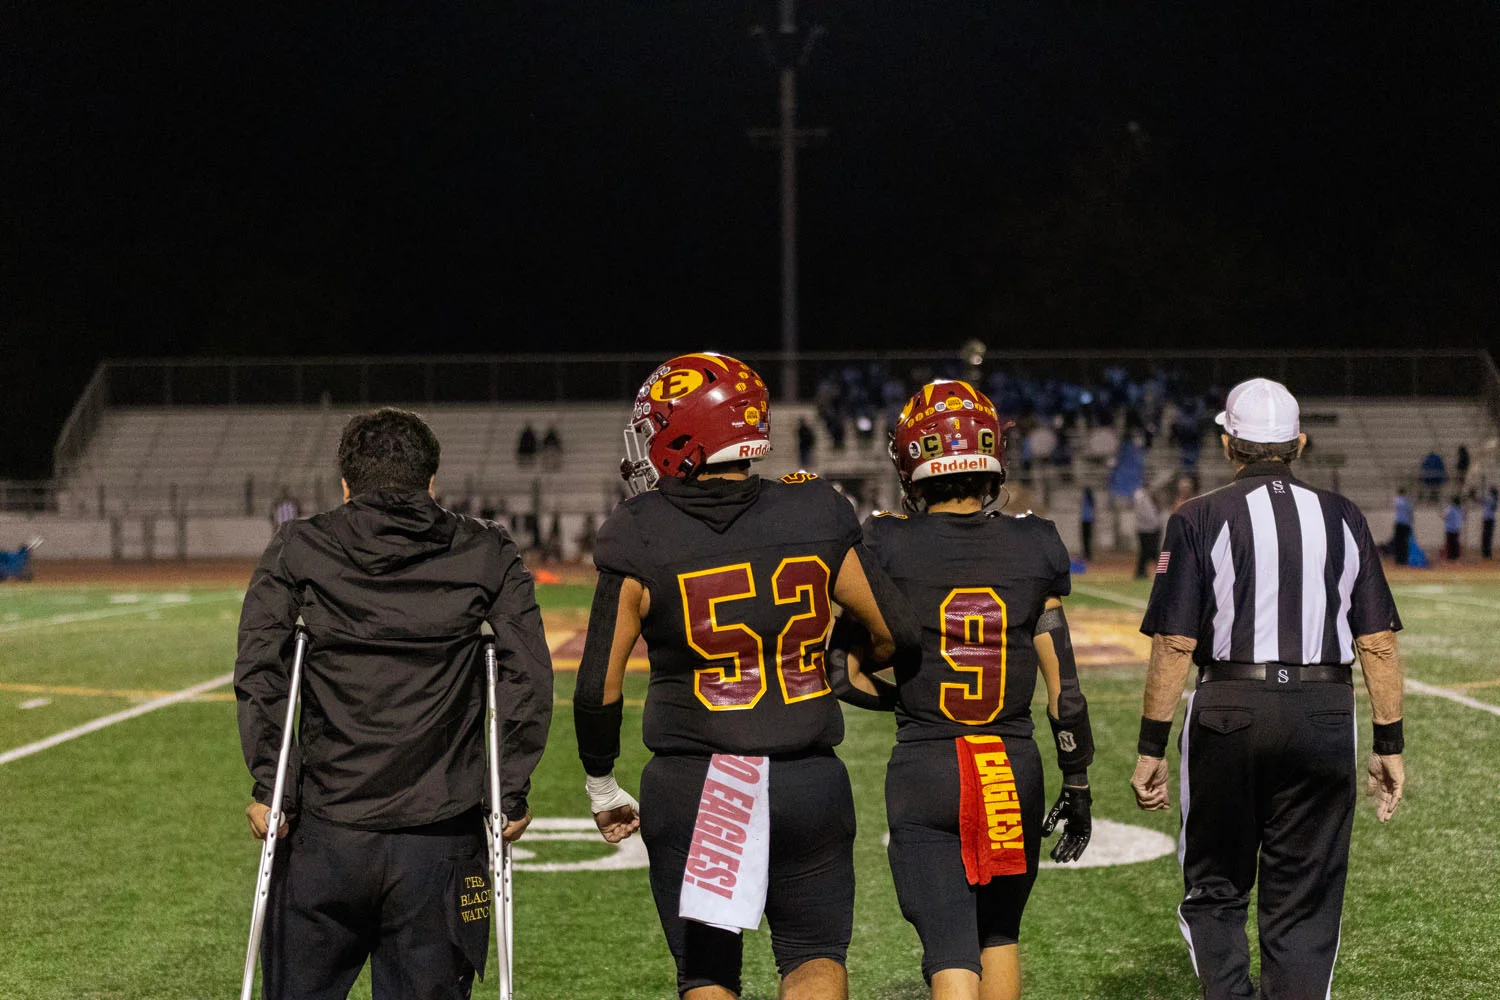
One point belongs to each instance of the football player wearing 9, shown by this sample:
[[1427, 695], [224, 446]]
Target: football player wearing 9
[[964, 795], [730, 578]]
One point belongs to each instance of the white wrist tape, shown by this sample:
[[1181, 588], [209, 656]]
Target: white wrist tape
[[605, 794]]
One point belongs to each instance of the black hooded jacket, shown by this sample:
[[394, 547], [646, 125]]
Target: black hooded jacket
[[393, 589]]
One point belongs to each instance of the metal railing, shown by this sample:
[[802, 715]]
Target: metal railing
[[84, 419]]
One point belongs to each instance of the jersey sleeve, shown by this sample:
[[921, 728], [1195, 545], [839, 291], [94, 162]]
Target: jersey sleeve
[[1371, 607], [1176, 603], [618, 546], [845, 521], [1059, 564]]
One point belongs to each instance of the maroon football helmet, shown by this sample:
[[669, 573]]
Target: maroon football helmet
[[947, 428], [695, 410]]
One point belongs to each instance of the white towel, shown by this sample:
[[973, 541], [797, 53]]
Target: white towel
[[729, 859]]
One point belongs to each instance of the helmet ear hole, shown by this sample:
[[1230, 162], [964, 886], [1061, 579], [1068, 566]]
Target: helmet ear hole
[[679, 442]]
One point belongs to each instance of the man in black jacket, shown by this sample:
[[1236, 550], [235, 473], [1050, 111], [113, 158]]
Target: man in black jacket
[[386, 858]]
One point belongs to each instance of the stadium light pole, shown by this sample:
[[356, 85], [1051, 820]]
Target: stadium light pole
[[786, 58]]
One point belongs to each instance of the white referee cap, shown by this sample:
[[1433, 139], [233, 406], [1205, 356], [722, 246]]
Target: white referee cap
[[1262, 411]]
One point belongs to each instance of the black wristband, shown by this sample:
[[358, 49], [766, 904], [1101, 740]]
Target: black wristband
[[1389, 739], [1074, 738], [1153, 738], [1076, 780], [598, 730]]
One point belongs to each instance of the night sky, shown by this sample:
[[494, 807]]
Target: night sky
[[338, 179]]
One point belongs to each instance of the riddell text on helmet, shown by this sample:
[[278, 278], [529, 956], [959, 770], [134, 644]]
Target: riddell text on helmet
[[943, 466], [757, 449]]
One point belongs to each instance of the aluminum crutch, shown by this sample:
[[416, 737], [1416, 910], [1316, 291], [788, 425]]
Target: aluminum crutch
[[501, 897], [273, 818]]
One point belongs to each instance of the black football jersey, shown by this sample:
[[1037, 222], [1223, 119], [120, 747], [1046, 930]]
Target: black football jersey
[[740, 575], [977, 583]]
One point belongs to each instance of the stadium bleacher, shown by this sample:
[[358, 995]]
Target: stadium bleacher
[[188, 462]]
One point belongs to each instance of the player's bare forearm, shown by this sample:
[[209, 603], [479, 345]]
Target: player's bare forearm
[[1166, 675], [853, 593], [635, 602], [1380, 659], [1047, 662]]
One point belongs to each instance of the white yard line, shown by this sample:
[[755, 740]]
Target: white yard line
[[1458, 600], [71, 617], [1420, 687], [1109, 595], [1453, 696], [109, 720]]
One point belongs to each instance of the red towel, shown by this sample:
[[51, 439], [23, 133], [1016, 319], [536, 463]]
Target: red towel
[[989, 810]]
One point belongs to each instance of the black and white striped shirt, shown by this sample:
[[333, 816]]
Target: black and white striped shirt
[[1270, 570]]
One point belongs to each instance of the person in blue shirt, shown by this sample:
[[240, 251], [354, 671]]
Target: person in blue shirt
[[1487, 531], [1453, 524], [1086, 523], [1434, 475], [1401, 542]]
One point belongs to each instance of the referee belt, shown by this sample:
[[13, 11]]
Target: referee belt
[[1308, 673]]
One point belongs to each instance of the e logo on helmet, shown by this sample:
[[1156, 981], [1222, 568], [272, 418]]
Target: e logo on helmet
[[675, 384]]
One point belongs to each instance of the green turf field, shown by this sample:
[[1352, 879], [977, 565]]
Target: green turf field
[[126, 868]]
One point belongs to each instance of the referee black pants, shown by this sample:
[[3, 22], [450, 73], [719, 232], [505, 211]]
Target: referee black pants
[[415, 903], [1268, 779]]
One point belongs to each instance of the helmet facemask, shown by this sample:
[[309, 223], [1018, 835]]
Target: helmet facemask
[[636, 468]]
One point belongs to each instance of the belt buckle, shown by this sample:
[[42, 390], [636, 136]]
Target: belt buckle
[[1283, 677]]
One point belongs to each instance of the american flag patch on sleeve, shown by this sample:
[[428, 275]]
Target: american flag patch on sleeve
[[1161, 564]]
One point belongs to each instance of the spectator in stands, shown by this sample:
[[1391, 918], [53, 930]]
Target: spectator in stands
[[1041, 445], [805, 441], [1453, 525], [526, 447], [553, 550], [1185, 492], [1086, 523], [552, 449], [1401, 541], [285, 508], [588, 537], [1434, 475], [1487, 523], [1147, 531], [1461, 467], [1062, 455]]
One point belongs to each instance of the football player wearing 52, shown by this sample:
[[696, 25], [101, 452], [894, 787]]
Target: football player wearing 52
[[964, 795]]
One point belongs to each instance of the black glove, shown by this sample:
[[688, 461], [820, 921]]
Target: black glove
[[1072, 808]]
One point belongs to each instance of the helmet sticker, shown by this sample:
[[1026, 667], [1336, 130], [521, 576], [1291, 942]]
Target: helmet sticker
[[752, 415], [914, 450], [986, 440], [932, 445], [968, 404], [740, 387], [675, 384]]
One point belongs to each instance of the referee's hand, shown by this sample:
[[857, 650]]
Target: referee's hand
[[1387, 776], [1150, 783]]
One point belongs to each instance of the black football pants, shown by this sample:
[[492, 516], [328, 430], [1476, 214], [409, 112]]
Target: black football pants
[[414, 902], [1268, 776]]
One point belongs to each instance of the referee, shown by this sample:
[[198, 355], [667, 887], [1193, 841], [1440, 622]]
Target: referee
[[1270, 586]]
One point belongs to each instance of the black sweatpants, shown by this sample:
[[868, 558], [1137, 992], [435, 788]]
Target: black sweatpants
[[1401, 544], [1268, 776], [414, 902], [1147, 553], [810, 892]]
